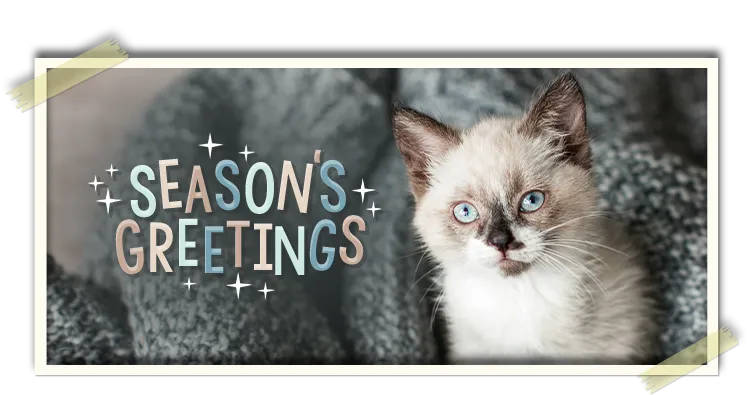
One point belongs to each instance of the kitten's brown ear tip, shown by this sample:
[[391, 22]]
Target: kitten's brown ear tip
[[568, 76], [406, 120], [403, 114], [568, 84], [399, 110], [400, 115]]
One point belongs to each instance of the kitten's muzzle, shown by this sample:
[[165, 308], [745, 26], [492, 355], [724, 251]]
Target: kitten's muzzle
[[503, 240]]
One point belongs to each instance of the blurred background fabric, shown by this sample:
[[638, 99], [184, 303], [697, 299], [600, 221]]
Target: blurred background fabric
[[649, 143]]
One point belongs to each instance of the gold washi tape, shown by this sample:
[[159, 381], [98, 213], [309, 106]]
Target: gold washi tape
[[688, 360], [69, 74]]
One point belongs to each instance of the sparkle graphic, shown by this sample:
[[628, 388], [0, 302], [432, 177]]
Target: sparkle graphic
[[363, 190], [189, 284], [246, 152], [265, 291], [95, 184], [373, 209], [108, 201], [111, 170], [209, 145], [238, 285]]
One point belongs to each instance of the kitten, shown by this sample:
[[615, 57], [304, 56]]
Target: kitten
[[531, 272]]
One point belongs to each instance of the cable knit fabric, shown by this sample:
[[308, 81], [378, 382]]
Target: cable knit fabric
[[86, 325], [649, 136]]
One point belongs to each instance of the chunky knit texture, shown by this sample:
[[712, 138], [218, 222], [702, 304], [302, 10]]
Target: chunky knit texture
[[649, 129]]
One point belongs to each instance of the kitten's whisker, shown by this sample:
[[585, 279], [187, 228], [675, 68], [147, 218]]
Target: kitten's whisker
[[595, 244], [436, 309], [436, 281], [569, 260], [551, 259], [589, 272], [421, 278], [579, 280], [594, 256], [409, 255], [595, 214], [415, 272], [586, 270], [415, 252]]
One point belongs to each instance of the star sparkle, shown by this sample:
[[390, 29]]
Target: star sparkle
[[210, 145], [95, 184], [238, 285], [265, 291], [108, 201], [189, 284], [111, 170], [246, 152], [363, 190], [373, 209]]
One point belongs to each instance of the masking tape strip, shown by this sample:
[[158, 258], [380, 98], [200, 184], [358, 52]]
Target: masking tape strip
[[688, 360], [69, 74]]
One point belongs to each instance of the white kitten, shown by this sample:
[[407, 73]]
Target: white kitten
[[531, 271]]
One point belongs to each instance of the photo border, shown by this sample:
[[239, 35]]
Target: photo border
[[42, 65]]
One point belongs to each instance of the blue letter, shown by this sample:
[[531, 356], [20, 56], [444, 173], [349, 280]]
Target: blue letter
[[333, 185], [329, 251], [184, 244], [209, 251], [228, 184], [259, 166], [145, 191], [296, 260]]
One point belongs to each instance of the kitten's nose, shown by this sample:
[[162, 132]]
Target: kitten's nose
[[504, 240]]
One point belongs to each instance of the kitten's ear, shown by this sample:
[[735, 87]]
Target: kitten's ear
[[560, 113], [422, 141]]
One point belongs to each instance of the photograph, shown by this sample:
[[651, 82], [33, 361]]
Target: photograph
[[366, 216]]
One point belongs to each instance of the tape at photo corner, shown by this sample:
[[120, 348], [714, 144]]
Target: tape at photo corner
[[68, 74]]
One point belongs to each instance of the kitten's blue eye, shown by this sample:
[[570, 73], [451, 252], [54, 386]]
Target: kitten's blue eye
[[465, 213], [532, 201]]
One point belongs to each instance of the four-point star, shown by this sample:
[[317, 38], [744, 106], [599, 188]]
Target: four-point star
[[363, 190], [246, 152], [108, 201], [95, 184], [111, 170], [265, 291], [373, 209], [209, 145], [238, 285], [189, 284]]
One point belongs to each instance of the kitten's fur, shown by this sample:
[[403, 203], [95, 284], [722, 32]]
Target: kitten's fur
[[577, 291]]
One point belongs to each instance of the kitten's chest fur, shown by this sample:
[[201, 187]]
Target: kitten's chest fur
[[491, 317], [544, 316]]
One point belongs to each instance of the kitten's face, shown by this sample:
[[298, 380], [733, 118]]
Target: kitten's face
[[508, 194]]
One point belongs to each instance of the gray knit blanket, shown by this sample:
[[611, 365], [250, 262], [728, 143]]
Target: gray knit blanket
[[649, 144]]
